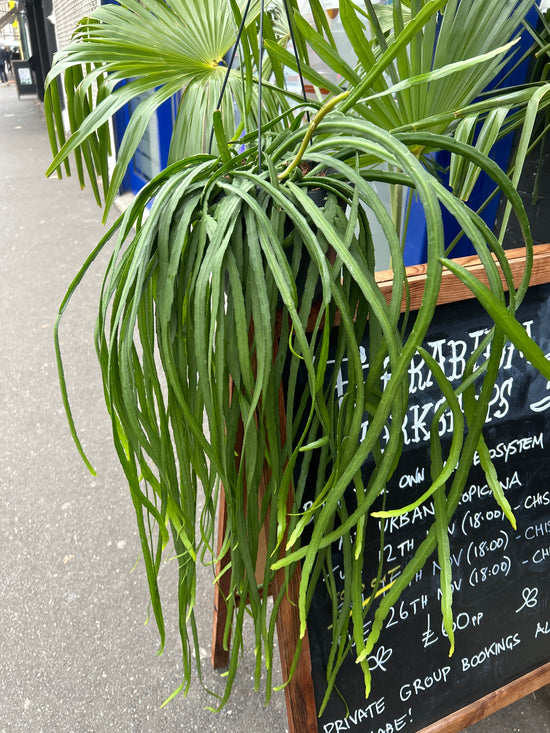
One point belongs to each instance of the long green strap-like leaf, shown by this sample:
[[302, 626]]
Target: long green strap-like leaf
[[501, 316]]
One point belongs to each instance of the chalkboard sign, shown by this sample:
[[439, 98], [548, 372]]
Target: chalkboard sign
[[501, 595], [25, 79]]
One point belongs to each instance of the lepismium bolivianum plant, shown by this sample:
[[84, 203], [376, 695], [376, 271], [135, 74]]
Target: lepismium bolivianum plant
[[190, 304], [225, 292]]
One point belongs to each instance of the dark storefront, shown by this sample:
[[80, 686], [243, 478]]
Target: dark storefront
[[42, 38]]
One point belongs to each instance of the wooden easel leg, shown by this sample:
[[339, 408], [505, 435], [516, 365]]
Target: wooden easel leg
[[219, 655], [299, 693]]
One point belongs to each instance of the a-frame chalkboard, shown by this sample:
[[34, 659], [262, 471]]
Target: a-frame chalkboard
[[502, 596]]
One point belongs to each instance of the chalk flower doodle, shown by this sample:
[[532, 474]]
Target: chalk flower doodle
[[543, 404]]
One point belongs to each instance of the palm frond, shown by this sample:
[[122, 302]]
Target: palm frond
[[146, 52]]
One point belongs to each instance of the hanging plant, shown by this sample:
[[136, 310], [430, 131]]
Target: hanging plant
[[220, 366], [188, 320]]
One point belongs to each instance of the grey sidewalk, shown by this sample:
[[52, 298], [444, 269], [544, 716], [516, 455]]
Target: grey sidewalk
[[76, 655]]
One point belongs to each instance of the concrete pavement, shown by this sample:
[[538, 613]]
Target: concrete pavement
[[76, 655]]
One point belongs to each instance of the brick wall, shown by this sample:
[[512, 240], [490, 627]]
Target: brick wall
[[67, 15]]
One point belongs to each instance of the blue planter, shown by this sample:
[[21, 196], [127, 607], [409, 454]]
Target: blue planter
[[415, 243]]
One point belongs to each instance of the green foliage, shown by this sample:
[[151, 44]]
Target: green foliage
[[201, 282], [431, 75], [149, 51], [225, 274]]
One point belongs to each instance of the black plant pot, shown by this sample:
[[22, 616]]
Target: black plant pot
[[319, 197], [534, 189]]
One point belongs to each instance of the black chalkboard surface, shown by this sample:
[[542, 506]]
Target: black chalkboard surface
[[501, 597]]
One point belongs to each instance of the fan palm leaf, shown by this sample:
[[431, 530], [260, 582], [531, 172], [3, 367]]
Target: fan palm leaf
[[397, 85], [147, 52]]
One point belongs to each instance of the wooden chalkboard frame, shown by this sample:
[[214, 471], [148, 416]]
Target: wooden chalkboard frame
[[489, 704], [299, 692]]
